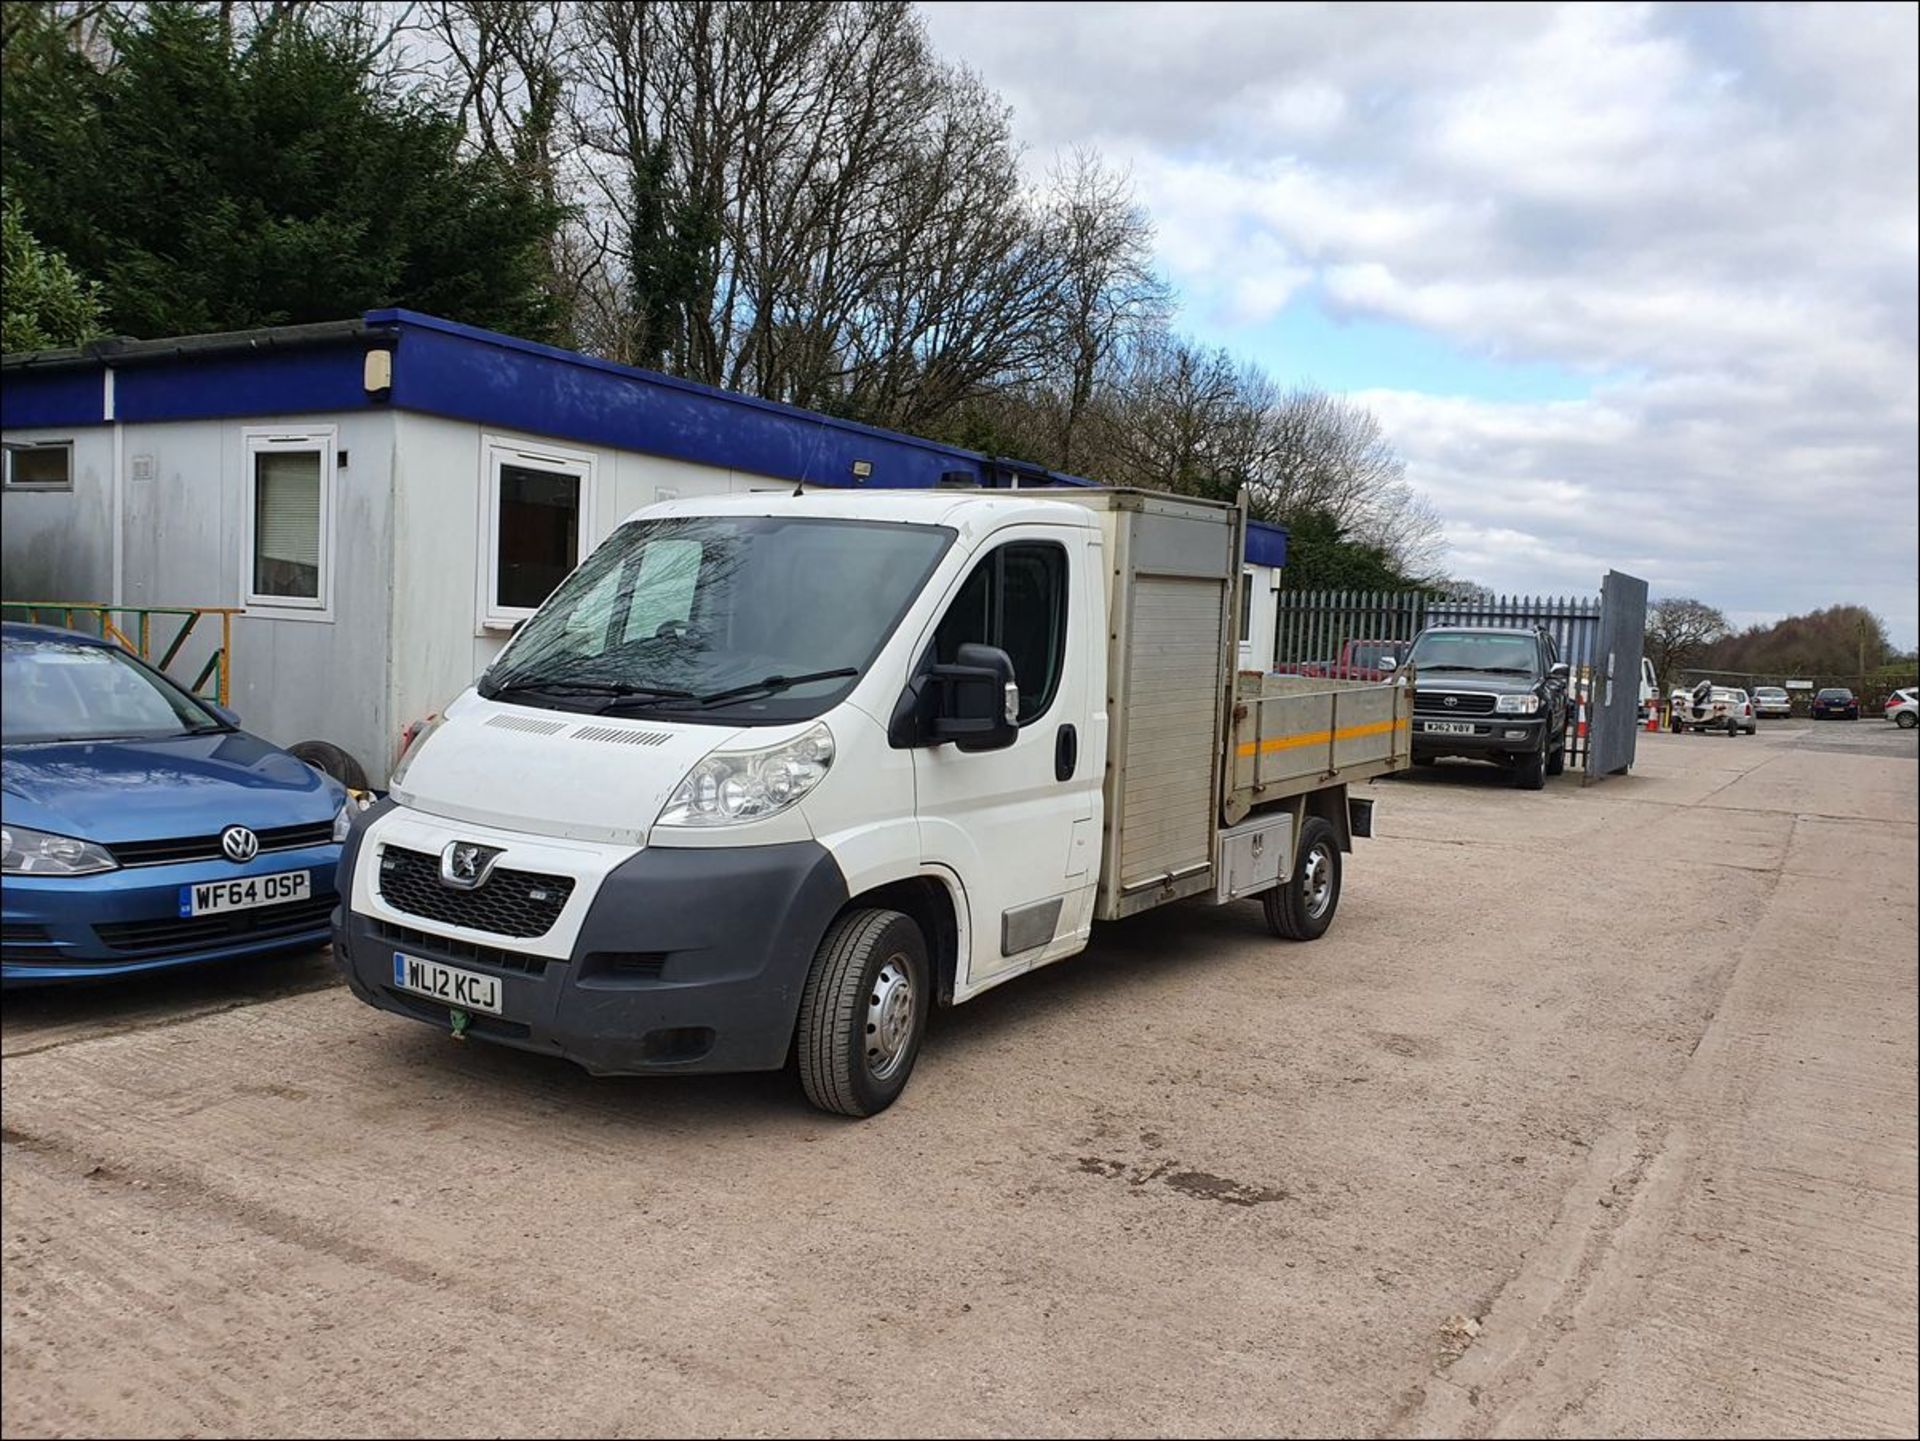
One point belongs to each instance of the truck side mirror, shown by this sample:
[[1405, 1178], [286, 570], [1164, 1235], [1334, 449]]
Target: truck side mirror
[[975, 700], [1561, 671]]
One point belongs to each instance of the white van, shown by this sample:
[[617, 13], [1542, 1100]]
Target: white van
[[775, 772]]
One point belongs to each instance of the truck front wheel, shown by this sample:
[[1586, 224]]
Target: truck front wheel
[[863, 1012], [1301, 907]]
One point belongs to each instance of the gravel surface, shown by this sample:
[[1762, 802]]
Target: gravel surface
[[1594, 1114]]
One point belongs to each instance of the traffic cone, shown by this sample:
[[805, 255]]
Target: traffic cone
[[1653, 720]]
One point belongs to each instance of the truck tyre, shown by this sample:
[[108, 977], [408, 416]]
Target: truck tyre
[[1530, 771], [1557, 758], [329, 759], [863, 1012], [1301, 907]]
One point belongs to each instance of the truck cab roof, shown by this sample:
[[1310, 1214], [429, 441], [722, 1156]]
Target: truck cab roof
[[970, 512]]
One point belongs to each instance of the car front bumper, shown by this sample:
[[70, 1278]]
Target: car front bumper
[[115, 923], [1494, 737], [687, 960]]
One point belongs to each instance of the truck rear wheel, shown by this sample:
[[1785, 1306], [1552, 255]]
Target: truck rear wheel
[[863, 1012], [1301, 907]]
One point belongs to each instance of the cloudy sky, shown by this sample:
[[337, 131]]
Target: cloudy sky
[[1631, 286]]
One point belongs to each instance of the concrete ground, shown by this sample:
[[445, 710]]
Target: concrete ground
[[1595, 1114]]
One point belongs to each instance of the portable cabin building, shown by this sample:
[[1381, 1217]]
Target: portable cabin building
[[383, 499]]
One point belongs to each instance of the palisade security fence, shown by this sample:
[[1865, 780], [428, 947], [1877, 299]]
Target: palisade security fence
[[1349, 635]]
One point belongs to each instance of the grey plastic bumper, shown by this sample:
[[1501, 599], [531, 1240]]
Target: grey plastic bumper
[[689, 960]]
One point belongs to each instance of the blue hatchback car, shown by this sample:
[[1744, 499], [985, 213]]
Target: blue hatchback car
[[142, 827]]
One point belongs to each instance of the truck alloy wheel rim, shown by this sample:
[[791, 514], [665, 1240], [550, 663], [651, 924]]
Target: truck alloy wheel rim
[[1318, 881], [889, 1018]]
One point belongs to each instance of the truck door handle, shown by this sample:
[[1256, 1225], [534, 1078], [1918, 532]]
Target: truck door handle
[[1066, 753]]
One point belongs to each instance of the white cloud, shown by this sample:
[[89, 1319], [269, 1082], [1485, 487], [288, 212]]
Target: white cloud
[[1720, 201]]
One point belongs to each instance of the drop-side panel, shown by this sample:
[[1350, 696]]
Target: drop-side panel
[[1173, 675]]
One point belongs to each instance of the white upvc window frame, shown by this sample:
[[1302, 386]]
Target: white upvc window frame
[[499, 450], [52, 487], [267, 440]]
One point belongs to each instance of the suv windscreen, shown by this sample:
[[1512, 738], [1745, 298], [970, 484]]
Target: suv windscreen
[[746, 619], [1475, 650]]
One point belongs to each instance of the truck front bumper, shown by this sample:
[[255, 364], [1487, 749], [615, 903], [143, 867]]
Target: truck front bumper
[[1494, 737], [688, 960]]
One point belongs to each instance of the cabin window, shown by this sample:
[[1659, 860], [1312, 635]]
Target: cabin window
[[289, 521], [1015, 599], [1246, 606], [538, 504], [39, 465]]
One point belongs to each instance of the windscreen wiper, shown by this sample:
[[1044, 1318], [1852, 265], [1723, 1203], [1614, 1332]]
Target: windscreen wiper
[[616, 690], [773, 684]]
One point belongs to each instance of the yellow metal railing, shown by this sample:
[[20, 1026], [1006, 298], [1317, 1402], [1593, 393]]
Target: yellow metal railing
[[114, 622]]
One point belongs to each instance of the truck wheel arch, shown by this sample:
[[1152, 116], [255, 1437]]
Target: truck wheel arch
[[930, 901]]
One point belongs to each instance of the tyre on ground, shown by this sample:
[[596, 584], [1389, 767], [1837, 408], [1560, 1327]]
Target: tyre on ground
[[1301, 907], [863, 1012], [1530, 771], [329, 759]]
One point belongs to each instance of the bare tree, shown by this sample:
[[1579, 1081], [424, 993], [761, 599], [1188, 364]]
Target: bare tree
[[1679, 630], [1108, 293]]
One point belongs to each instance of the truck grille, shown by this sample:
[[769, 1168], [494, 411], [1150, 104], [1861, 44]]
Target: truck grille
[[207, 848], [1434, 703], [511, 903], [170, 934]]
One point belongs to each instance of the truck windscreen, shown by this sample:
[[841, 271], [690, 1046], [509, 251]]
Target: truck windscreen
[[725, 617]]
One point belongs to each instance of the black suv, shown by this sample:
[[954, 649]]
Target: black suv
[[1495, 695]]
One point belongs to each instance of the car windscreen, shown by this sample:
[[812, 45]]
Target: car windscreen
[[675, 615], [64, 691], [1474, 650]]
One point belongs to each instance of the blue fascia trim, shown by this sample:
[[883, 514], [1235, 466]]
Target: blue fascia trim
[[284, 382], [1266, 543], [445, 368], [53, 399]]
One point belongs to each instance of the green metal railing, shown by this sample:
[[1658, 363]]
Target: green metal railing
[[134, 630]]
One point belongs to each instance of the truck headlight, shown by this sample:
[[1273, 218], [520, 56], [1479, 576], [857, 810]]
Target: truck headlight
[[37, 853], [399, 772], [1517, 704], [733, 786]]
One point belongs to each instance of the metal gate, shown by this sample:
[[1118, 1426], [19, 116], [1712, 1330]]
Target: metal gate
[[1616, 690], [1344, 634]]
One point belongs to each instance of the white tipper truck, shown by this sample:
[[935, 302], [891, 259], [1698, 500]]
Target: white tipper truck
[[773, 775]]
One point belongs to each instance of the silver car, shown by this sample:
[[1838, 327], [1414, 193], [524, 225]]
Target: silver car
[[1770, 702], [1903, 708]]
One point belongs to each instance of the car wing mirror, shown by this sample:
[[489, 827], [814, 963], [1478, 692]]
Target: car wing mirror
[[1561, 671], [976, 701]]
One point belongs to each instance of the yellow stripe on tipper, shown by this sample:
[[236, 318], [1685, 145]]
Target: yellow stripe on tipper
[[1320, 738]]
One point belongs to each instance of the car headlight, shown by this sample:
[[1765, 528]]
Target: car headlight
[[733, 786], [1517, 704], [399, 772], [37, 853], [356, 802]]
